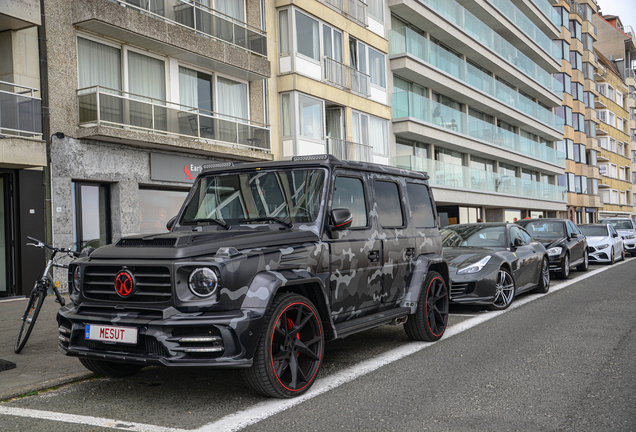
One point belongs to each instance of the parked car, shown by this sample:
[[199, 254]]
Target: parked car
[[264, 263], [566, 245], [626, 228], [603, 243], [490, 263]]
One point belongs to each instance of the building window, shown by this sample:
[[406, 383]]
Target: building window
[[307, 37], [156, 207], [376, 9], [98, 65], [331, 43], [372, 131], [311, 121], [576, 59], [91, 214], [565, 82], [283, 32], [565, 113], [377, 68], [575, 29], [368, 60]]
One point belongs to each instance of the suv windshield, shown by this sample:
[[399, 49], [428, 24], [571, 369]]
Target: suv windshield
[[261, 196], [546, 229], [618, 224], [473, 236]]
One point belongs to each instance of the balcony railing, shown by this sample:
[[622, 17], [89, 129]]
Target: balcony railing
[[522, 21], [408, 104], [20, 110], [356, 10], [405, 40], [202, 19], [348, 150], [549, 11], [481, 32], [99, 106], [344, 76], [462, 177]]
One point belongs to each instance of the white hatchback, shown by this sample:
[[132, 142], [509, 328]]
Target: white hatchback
[[604, 244]]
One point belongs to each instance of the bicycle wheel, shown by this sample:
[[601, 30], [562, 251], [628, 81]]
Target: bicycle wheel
[[30, 315]]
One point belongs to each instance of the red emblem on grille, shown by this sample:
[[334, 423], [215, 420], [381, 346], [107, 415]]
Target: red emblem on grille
[[124, 283]]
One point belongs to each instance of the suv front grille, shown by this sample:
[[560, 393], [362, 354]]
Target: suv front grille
[[152, 284]]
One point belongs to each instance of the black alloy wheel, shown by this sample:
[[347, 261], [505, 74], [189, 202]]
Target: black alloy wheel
[[30, 316], [290, 349], [544, 278], [565, 272], [504, 290], [428, 323], [586, 262]]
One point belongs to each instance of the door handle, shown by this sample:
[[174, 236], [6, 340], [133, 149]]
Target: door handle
[[374, 256], [410, 252]]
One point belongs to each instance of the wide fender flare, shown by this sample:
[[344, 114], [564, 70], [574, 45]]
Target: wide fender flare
[[423, 264], [266, 285]]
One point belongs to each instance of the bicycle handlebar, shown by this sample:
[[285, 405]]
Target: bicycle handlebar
[[42, 244]]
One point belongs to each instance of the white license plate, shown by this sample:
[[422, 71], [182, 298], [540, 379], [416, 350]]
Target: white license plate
[[126, 335]]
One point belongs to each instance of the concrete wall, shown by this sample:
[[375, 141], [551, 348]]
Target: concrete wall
[[20, 57]]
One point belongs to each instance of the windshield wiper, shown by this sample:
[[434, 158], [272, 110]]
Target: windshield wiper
[[217, 221], [268, 218]]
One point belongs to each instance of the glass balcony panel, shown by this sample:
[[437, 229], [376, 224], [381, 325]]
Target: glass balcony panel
[[117, 109], [406, 40], [20, 113], [408, 104], [458, 176], [456, 13]]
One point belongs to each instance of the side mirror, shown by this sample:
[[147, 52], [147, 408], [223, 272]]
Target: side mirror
[[171, 222], [341, 218], [517, 242], [614, 235]]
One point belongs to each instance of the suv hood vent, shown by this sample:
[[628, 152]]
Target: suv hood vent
[[136, 242]]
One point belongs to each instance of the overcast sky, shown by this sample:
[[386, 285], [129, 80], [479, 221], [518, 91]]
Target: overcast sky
[[625, 9]]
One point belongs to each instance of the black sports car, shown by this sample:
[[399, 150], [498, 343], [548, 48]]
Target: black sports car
[[566, 245], [490, 263]]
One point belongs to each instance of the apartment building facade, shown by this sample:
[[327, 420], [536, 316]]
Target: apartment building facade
[[617, 44], [473, 99], [330, 91], [141, 94], [23, 153], [576, 43]]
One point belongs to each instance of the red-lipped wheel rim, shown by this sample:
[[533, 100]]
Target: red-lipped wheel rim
[[437, 306], [296, 347]]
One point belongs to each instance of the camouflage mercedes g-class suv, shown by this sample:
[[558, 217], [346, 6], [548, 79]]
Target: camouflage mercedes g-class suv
[[264, 263]]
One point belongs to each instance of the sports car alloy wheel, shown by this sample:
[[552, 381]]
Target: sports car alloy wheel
[[505, 290]]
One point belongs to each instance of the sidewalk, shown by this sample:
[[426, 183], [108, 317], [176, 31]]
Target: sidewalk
[[40, 365]]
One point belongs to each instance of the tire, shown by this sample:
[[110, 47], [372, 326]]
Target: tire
[[565, 273], [612, 260], [544, 278], [428, 323], [623, 254], [30, 316], [110, 369], [290, 349], [505, 290], [586, 262]]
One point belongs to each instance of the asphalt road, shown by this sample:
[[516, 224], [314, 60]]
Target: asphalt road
[[562, 361]]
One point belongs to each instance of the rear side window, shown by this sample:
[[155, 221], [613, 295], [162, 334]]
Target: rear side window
[[421, 206], [349, 194], [387, 196]]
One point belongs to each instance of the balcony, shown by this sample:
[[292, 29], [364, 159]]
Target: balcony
[[549, 11], [345, 77], [408, 104], [20, 111], [460, 177], [120, 110], [406, 41], [477, 29], [348, 150], [18, 15], [187, 31], [355, 10]]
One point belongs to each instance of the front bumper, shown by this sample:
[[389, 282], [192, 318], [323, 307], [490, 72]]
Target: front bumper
[[556, 263], [165, 337], [599, 255], [476, 288], [630, 245]]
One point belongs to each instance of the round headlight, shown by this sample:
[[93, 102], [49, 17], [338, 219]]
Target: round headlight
[[203, 282], [77, 278]]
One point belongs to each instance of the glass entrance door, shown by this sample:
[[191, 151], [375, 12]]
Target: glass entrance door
[[4, 285]]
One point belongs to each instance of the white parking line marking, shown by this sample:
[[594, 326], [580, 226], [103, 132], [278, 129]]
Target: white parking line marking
[[86, 420], [261, 411]]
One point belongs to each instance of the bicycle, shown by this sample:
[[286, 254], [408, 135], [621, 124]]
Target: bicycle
[[39, 292]]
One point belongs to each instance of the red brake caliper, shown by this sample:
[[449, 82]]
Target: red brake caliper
[[290, 325]]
